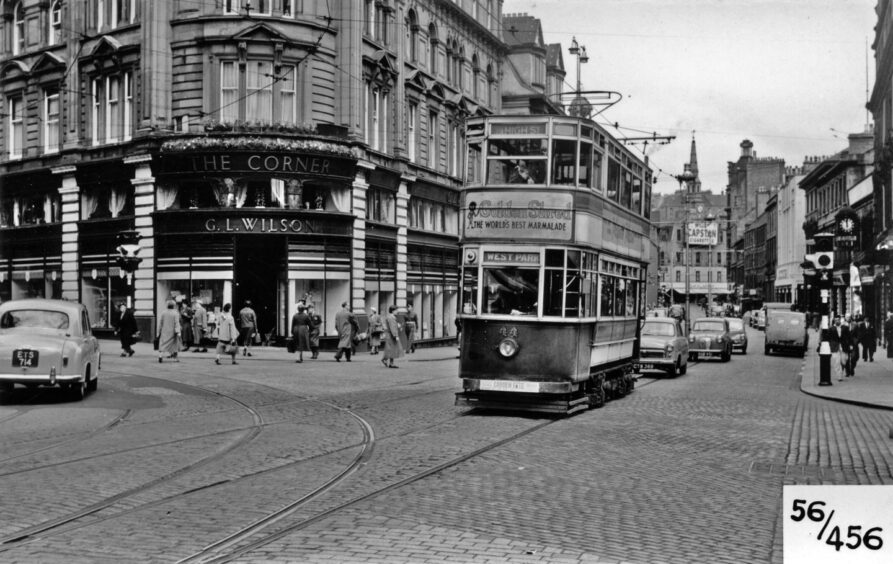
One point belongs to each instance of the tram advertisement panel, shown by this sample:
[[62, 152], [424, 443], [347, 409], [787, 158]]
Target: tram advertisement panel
[[518, 215]]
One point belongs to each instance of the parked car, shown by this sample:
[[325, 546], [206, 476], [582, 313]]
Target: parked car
[[786, 331], [709, 338], [48, 343], [663, 346], [758, 319], [738, 334]]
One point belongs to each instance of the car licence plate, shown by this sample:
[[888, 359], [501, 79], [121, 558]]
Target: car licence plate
[[645, 366], [707, 355], [25, 358], [509, 386]]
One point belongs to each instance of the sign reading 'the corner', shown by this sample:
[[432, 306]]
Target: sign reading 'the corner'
[[518, 215], [224, 163]]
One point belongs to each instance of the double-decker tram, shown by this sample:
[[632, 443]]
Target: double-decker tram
[[554, 229]]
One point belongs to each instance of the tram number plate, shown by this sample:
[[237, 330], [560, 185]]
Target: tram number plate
[[509, 386], [645, 366], [25, 358]]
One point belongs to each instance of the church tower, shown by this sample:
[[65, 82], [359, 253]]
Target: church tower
[[693, 186]]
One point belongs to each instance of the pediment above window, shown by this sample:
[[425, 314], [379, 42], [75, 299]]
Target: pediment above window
[[260, 32], [48, 62], [383, 70], [13, 70]]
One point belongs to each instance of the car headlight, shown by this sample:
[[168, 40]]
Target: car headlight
[[508, 347], [668, 350]]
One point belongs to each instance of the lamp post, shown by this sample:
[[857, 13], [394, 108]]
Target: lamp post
[[684, 178], [580, 107]]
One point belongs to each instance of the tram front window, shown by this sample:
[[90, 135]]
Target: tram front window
[[511, 291]]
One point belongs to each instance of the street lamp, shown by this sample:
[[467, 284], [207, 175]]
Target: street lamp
[[686, 177]]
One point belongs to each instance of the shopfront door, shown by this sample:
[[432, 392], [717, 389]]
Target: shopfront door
[[258, 265]]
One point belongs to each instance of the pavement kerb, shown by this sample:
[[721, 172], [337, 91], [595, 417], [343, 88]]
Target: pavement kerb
[[809, 385]]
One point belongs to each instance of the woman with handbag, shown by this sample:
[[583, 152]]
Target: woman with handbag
[[376, 328], [168, 335], [392, 347], [227, 335], [300, 332]]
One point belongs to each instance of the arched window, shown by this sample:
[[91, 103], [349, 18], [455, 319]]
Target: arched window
[[448, 67], [491, 79], [460, 69], [475, 76], [412, 36], [18, 27], [432, 49], [54, 31]]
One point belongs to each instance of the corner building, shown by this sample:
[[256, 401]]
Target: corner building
[[275, 151]]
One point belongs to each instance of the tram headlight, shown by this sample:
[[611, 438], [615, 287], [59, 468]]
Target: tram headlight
[[508, 347]]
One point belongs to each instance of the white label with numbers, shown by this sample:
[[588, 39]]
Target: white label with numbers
[[831, 524]]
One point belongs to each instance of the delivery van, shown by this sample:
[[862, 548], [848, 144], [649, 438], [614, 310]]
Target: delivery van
[[786, 331]]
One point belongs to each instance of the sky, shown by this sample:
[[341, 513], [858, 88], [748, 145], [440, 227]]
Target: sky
[[790, 75]]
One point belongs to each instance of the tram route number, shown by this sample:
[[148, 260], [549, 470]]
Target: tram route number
[[837, 524]]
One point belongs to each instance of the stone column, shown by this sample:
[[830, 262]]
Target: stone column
[[358, 242], [70, 194], [144, 276], [402, 240]]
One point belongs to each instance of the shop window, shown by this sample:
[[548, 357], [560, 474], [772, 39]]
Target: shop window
[[104, 202], [16, 116], [30, 209], [100, 293]]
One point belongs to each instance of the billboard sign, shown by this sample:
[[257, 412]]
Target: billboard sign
[[703, 233]]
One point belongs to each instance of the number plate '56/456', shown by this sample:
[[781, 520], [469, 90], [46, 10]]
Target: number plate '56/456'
[[25, 358]]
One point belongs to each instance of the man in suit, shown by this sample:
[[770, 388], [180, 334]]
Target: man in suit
[[345, 321], [839, 340], [199, 325]]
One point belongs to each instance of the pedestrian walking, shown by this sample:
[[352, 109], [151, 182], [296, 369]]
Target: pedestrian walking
[[869, 340], [376, 329], [186, 314], [199, 325], [168, 333], [838, 337], [300, 331], [855, 326], [227, 335], [392, 348], [888, 333], [248, 325], [344, 324], [126, 329], [315, 324], [410, 324]]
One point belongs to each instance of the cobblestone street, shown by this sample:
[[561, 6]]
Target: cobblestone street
[[683, 470]]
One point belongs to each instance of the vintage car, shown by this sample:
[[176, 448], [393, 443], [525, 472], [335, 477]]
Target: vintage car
[[709, 338], [738, 334], [786, 332], [662, 346], [47, 343]]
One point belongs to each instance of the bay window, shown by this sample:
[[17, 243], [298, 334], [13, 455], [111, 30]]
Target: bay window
[[251, 92]]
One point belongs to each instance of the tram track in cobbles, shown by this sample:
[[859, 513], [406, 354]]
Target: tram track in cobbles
[[246, 437], [277, 523], [122, 416]]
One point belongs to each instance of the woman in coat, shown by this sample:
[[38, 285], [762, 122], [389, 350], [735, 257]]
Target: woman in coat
[[315, 324], [376, 330], [392, 348], [168, 334], [300, 331], [227, 333]]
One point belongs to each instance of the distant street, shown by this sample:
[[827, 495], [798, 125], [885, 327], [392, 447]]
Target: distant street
[[352, 462]]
